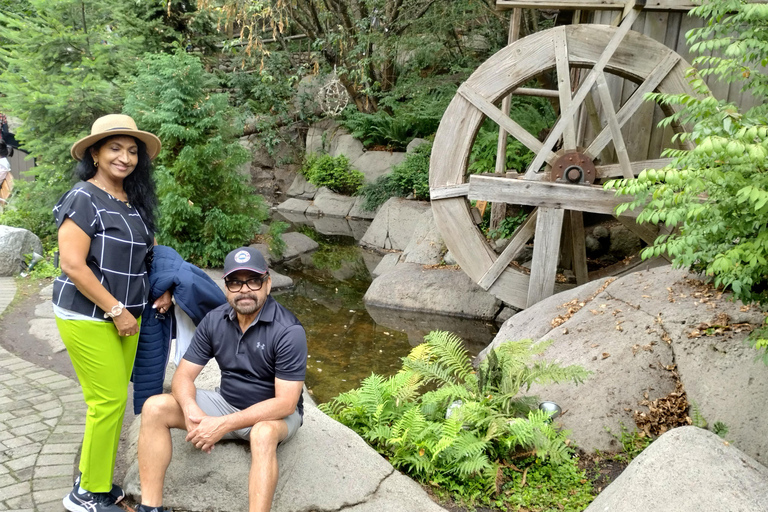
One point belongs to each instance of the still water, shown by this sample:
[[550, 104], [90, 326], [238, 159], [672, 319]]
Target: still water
[[347, 341]]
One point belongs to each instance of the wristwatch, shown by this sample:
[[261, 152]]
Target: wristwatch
[[116, 310]]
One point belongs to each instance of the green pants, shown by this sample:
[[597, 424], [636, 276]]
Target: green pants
[[103, 361]]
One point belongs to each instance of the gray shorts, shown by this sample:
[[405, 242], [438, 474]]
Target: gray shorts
[[213, 404]]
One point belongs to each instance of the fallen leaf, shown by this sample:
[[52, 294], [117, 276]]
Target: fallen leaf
[[606, 355]]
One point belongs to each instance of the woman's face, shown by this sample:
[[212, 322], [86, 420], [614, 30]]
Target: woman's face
[[117, 157]]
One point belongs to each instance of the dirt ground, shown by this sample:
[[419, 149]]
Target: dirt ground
[[15, 337]]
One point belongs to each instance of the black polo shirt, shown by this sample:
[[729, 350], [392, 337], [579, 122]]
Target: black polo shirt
[[273, 346]]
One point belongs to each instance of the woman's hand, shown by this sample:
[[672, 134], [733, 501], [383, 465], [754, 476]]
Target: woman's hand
[[126, 324], [163, 302]]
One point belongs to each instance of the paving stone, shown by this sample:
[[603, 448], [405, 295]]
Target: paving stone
[[4, 470], [36, 376], [7, 480], [21, 462], [65, 438], [53, 471], [12, 491], [39, 436], [55, 378], [53, 506], [60, 448], [54, 403], [26, 420], [69, 429], [5, 399], [23, 451], [52, 413], [21, 502], [16, 442], [44, 484], [50, 495], [29, 429], [54, 460], [4, 416], [29, 394], [60, 385], [51, 422], [71, 397]]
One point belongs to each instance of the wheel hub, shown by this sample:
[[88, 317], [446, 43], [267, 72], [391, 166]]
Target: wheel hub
[[573, 168]]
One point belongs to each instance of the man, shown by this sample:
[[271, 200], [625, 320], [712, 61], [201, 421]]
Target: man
[[261, 349]]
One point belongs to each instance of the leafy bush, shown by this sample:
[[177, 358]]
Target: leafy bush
[[332, 172], [716, 193], [411, 176], [207, 208], [508, 225], [468, 425], [275, 239]]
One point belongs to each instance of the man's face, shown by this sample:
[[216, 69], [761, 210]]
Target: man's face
[[247, 301]]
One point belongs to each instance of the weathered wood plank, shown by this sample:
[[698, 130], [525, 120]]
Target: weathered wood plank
[[505, 122], [564, 88], [614, 170], [613, 124], [586, 198], [546, 249], [593, 5], [520, 237], [589, 81], [636, 100], [467, 244], [532, 91], [449, 191], [566, 244], [578, 240]]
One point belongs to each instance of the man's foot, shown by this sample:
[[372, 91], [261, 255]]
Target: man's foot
[[116, 492], [85, 501]]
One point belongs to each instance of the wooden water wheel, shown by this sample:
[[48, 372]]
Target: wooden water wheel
[[563, 181]]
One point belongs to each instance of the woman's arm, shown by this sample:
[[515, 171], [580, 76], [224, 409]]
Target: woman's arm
[[73, 252]]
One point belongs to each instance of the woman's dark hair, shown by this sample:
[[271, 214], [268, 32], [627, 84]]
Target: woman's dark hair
[[3, 150], [139, 186]]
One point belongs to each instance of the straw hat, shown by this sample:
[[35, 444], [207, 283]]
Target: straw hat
[[115, 124]]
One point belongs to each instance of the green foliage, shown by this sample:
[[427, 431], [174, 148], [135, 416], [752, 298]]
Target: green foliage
[[720, 428], [275, 238], [332, 172], [548, 487], [533, 114], [208, 208], [633, 443], [444, 423], [508, 225], [44, 268], [716, 193], [411, 176]]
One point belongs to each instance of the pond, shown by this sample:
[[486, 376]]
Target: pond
[[348, 341]]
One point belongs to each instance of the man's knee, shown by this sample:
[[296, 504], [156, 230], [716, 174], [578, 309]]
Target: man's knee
[[266, 435], [159, 409]]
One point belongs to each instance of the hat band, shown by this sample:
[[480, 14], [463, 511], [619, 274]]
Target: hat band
[[121, 128]]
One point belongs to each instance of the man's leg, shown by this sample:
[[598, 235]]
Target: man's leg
[[159, 415], [262, 480]]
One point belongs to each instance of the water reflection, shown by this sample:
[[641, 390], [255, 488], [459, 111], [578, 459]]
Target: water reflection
[[347, 342]]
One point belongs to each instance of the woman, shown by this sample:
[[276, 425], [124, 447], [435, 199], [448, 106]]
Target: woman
[[6, 179], [106, 228]]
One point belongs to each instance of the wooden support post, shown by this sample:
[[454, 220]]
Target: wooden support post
[[578, 242], [499, 210], [566, 245], [546, 248]]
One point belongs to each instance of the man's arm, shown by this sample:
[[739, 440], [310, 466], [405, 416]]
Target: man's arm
[[183, 390], [210, 429]]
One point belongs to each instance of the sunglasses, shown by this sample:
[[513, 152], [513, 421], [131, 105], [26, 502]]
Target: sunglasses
[[254, 284]]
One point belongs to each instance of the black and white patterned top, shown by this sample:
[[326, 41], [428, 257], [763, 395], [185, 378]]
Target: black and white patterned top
[[119, 244]]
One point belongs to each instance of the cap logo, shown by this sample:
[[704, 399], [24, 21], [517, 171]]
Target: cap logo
[[242, 256]]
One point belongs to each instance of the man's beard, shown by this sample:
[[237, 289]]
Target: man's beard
[[242, 308]]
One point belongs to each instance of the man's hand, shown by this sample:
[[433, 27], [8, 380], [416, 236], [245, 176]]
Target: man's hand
[[206, 431]]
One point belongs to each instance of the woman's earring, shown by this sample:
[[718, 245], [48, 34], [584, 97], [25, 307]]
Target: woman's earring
[[96, 164]]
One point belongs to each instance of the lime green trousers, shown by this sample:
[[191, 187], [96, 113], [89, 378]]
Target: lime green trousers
[[103, 361]]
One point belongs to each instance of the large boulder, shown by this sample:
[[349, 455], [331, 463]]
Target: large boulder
[[325, 467], [642, 335], [342, 143], [447, 291], [294, 205], [358, 212], [426, 246], [688, 469], [377, 163], [333, 204], [394, 224], [301, 188], [297, 244], [14, 244]]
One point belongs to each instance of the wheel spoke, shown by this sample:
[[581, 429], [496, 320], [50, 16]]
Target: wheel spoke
[[613, 124], [629, 108], [449, 191], [564, 88], [520, 237], [546, 250]]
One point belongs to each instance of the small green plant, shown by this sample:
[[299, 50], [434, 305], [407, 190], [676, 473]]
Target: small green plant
[[720, 428], [633, 443], [445, 424], [547, 487], [508, 226], [411, 176], [332, 172], [44, 268], [275, 238]]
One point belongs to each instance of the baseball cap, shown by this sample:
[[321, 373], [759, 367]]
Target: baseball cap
[[245, 258]]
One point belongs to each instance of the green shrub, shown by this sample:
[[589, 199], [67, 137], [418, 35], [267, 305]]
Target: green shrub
[[275, 239], [508, 226], [445, 424], [411, 176], [332, 172]]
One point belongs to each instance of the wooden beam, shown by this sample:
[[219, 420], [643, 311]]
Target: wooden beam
[[592, 5], [520, 237], [564, 88], [532, 91], [504, 121], [614, 170], [584, 89], [629, 108], [449, 191], [613, 124], [578, 238], [546, 249], [587, 198]]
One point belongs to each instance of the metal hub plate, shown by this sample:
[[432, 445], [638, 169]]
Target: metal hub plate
[[573, 168]]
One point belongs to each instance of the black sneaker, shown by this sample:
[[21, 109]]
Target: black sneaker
[[116, 492], [90, 502], [145, 508]]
